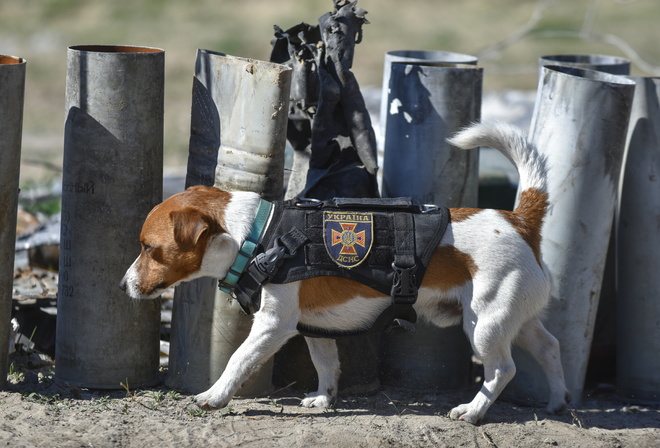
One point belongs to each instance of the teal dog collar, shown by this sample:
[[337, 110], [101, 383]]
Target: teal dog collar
[[249, 246]]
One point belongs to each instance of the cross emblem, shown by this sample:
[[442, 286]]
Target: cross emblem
[[348, 238]]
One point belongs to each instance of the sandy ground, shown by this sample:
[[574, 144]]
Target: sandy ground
[[35, 411]]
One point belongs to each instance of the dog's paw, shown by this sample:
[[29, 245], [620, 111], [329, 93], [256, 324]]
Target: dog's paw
[[317, 400], [208, 402], [558, 405], [466, 413]]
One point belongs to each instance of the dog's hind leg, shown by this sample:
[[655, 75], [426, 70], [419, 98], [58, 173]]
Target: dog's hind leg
[[494, 349], [535, 339], [326, 362]]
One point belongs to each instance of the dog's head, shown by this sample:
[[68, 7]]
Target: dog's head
[[182, 238]]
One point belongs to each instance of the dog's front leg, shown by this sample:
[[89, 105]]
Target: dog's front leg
[[326, 362], [259, 346], [272, 327]]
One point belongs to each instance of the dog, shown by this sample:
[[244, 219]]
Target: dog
[[486, 274]]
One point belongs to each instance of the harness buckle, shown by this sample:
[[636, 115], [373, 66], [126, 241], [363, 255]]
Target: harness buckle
[[268, 262], [404, 285]]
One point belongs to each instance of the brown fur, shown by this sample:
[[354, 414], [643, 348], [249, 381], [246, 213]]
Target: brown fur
[[191, 217], [527, 218], [461, 214], [324, 292], [447, 269]]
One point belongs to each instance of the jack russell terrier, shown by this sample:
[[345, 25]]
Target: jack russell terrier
[[486, 273]]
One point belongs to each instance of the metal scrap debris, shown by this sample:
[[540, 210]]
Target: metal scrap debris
[[329, 126]]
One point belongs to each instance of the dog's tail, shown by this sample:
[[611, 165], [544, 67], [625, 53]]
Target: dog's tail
[[510, 141], [531, 165]]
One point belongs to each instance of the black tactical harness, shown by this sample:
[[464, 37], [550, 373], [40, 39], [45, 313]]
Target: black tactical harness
[[385, 244]]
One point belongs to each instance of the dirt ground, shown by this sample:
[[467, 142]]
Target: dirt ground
[[35, 411]]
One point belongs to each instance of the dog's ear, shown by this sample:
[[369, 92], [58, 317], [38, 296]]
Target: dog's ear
[[189, 225]]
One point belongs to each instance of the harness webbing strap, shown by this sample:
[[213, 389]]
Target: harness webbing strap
[[404, 285], [263, 267], [404, 240]]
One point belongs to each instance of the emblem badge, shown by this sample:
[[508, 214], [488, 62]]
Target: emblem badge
[[348, 236]]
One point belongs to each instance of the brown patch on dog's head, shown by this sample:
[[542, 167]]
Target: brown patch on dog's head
[[174, 238], [188, 225]]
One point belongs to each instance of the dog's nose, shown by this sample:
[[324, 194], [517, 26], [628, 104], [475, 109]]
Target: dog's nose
[[122, 284]]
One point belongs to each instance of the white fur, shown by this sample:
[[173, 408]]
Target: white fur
[[238, 222], [501, 304], [131, 280], [511, 142]]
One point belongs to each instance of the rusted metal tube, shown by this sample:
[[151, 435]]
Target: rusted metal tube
[[638, 240], [429, 103], [579, 125], [238, 136], [112, 178], [12, 90]]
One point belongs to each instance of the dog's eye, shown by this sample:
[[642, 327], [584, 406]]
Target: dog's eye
[[147, 248]]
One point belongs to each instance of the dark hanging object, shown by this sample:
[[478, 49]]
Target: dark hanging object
[[329, 126]]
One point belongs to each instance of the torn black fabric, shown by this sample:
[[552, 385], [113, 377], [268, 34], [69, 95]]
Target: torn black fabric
[[328, 117]]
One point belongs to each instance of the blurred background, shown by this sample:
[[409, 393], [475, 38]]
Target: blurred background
[[508, 36]]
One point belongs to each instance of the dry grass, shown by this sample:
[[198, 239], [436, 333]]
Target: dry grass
[[40, 32]]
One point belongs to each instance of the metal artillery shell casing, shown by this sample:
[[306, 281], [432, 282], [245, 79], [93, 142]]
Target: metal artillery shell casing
[[428, 104], [638, 258], [579, 125], [238, 124], [603, 63], [237, 139], [113, 158], [12, 91], [413, 56]]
